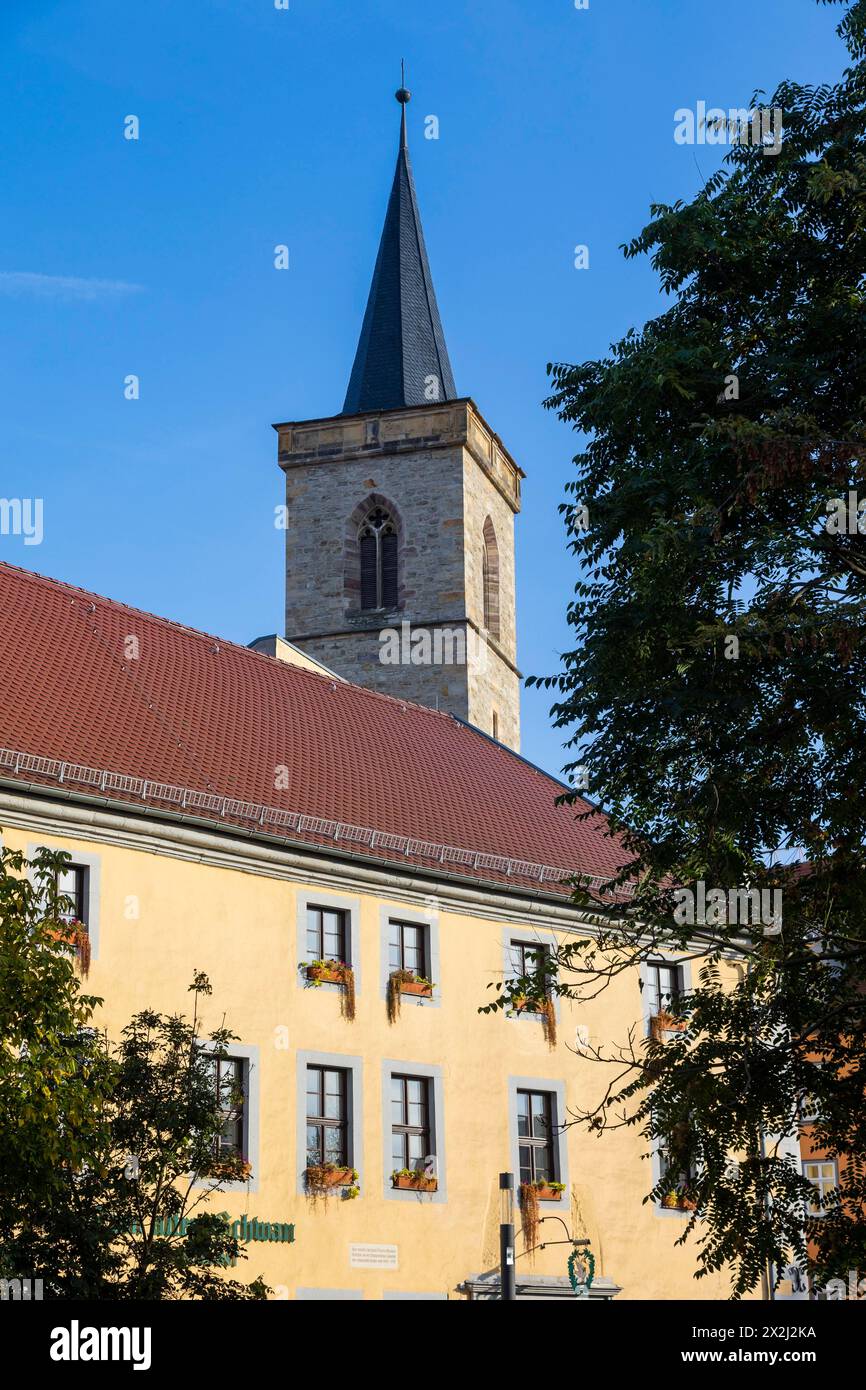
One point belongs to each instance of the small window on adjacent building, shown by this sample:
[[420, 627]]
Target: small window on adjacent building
[[72, 883], [326, 933], [407, 947], [410, 1121], [327, 1117], [496, 726], [228, 1075], [822, 1175], [663, 985], [535, 1136], [810, 1105]]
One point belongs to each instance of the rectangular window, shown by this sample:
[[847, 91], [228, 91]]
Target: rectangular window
[[822, 1175], [72, 883], [810, 1106], [535, 1136], [228, 1075], [664, 985], [326, 933], [327, 1129], [527, 958], [407, 947], [410, 1121]]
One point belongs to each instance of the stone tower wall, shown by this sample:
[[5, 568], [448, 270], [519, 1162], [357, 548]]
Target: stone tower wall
[[442, 473]]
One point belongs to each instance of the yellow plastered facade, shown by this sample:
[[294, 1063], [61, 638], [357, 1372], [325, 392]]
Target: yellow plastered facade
[[173, 901]]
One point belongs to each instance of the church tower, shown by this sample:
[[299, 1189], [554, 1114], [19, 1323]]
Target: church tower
[[400, 510]]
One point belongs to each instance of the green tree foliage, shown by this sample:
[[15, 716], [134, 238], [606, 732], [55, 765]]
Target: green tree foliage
[[53, 1072], [110, 1152], [714, 692]]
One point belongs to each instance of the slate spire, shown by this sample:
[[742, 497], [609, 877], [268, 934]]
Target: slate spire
[[401, 359]]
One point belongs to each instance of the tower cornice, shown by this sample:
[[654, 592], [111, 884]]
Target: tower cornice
[[370, 434]]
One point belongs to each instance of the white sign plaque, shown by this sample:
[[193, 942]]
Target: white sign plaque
[[373, 1256]]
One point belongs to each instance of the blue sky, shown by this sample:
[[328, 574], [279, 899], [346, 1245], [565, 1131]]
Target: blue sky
[[261, 126]]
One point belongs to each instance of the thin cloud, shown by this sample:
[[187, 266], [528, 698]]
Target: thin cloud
[[26, 283]]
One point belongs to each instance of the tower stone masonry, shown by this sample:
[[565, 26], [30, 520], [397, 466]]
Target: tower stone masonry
[[400, 510]]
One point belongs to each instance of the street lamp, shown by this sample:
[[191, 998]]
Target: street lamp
[[507, 1273]]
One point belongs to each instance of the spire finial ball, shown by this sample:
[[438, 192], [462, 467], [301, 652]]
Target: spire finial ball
[[403, 96]]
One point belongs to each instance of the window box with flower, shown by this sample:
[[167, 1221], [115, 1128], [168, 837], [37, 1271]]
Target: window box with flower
[[678, 1201], [531, 1194], [75, 935], [532, 985], [663, 1024], [322, 1178], [545, 1191], [402, 982], [333, 972], [414, 1180]]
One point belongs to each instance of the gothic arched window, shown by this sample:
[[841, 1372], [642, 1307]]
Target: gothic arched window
[[377, 546], [490, 579]]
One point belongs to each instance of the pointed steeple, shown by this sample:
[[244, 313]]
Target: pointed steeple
[[401, 359]]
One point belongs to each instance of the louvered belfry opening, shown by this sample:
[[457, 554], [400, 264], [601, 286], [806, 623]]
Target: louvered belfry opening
[[377, 545]]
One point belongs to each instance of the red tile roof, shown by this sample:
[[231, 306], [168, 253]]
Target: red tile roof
[[195, 712]]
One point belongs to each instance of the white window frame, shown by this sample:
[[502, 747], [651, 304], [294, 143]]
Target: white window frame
[[354, 1069], [430, 921], [92, 887], [818, 1185], [248, 1055], [559, 1133], [340, 903], [541, 940], [436, 1121]]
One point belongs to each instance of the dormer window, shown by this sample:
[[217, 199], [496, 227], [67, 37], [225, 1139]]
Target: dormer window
[[377, 545]]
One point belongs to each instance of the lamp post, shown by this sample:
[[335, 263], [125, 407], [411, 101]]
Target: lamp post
[[507, 1273]]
